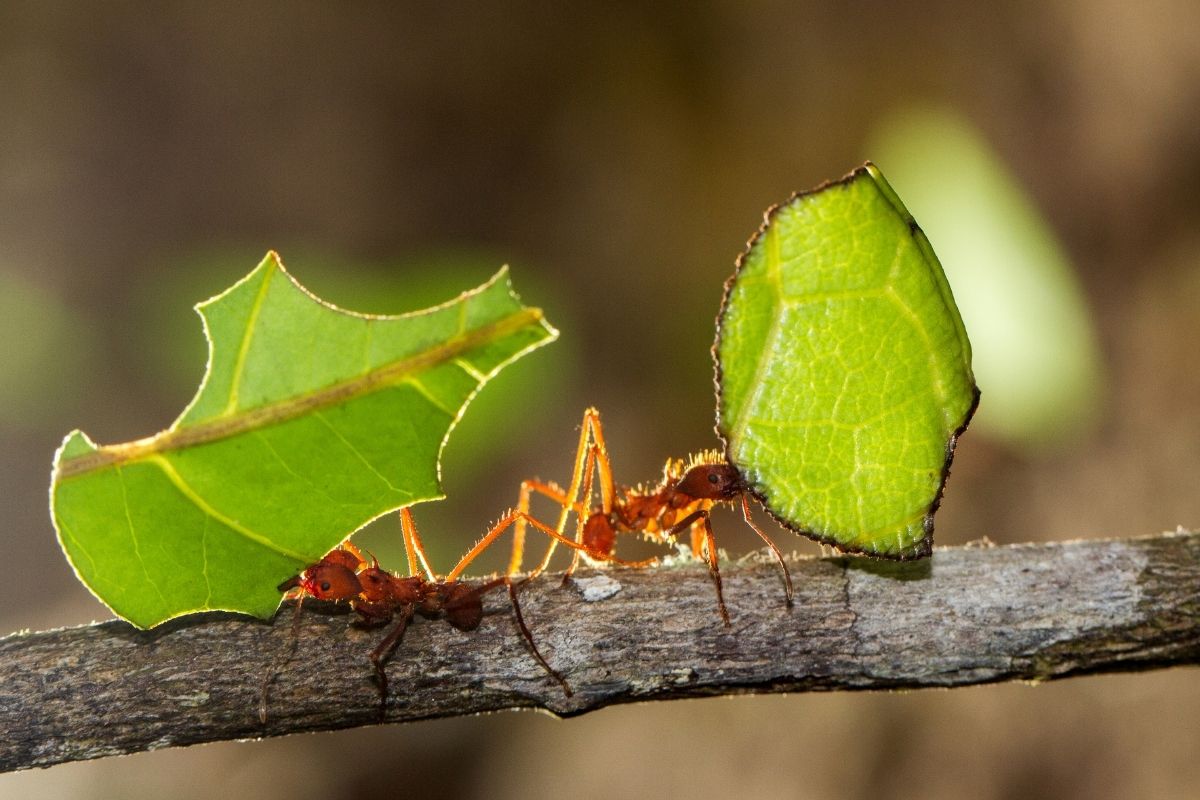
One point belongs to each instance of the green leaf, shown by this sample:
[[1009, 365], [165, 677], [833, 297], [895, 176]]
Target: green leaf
[[844, 369], [310, 422]]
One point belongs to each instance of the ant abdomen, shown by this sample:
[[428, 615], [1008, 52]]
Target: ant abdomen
[[463, 607]]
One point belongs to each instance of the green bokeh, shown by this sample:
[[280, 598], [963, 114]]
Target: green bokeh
[[45, 357], [845, 369], [1035, 347]]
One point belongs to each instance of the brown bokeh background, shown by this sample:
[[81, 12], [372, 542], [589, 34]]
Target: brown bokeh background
[[617, 155]]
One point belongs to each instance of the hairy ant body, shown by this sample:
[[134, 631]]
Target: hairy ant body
[[681, 501], [379, 597]]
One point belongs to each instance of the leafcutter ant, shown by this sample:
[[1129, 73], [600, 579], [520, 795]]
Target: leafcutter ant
[[681, 501], [379, 597]]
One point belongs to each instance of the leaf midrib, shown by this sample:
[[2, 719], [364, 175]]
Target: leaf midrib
[[292, 407]]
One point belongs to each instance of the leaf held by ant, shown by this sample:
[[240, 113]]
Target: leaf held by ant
[[844, 369]]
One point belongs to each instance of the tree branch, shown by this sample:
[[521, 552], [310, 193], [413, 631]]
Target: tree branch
[[968, 615]]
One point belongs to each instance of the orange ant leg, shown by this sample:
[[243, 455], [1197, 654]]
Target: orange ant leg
[[710, 545], [591, 449], [607, 490], [414, 550], [597, 460], [581, 515], [509, 520], [787, 578], [697, 541], [528, 487], [579, 548]]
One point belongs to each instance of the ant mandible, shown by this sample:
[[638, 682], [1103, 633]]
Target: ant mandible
[[379, 596], [682, 500]]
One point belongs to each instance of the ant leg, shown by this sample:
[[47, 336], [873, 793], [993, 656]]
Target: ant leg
[[696, 537], [485, 541], [597, 459], [710, 545], [414, 550], [585, 503], [525, 632], [590, 455], [512, 595], [787, 578], [380, 654], [269, 678], [528, 487], [350, 548], [607, 490], [507, 521], [588, 430], [579, 548]]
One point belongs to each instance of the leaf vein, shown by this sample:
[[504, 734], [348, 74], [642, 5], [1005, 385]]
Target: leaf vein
[[292, 407], [355, 451], [469, 368], [317, 487], [137, 549], [237, 527], [239, 367]]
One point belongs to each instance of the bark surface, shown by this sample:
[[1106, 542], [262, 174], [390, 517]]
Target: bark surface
[[968, 615]]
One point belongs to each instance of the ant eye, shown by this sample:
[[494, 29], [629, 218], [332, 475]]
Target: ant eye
[[324, 586], [712, 478]]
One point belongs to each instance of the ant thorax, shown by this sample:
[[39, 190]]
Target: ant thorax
[[696, 484]]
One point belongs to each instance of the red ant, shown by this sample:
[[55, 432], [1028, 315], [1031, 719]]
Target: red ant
[[682, 500], [379, 596]]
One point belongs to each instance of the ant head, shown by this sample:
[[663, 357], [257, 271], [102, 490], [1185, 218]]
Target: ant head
[[711, 482], [330, 581]]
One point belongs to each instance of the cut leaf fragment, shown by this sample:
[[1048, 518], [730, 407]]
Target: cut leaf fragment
[[843, 369], [310, 422]]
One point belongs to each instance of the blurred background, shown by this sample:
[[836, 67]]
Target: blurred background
[[618, 156]]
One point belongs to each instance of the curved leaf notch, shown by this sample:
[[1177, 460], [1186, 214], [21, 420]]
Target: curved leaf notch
[[843, 369], [310, 422]]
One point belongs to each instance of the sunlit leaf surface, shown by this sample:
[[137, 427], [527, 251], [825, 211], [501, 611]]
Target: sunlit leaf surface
[[310, 422], [844, 369]]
